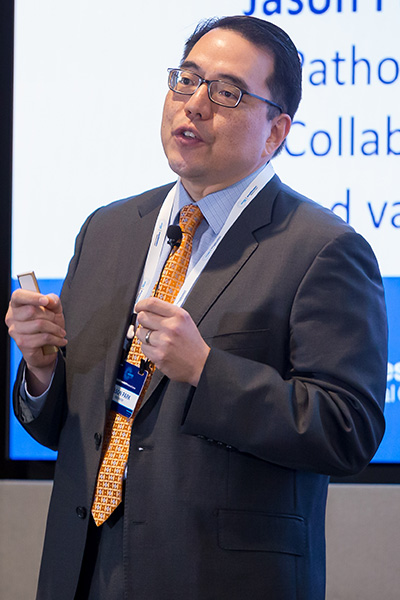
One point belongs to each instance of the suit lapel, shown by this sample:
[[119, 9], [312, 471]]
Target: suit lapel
[[233, 252], [137, 225]]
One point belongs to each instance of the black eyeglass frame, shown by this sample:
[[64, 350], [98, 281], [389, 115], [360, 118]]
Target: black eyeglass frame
[[211, 81]]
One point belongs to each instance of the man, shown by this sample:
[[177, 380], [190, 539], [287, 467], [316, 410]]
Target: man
[[269, 379]]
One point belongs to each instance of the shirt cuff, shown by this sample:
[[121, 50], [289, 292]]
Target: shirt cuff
[[31, 406]]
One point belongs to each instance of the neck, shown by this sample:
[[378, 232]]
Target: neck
[[198, 190]]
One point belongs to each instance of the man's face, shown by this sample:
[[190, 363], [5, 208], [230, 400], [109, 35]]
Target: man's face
[[228, 143]]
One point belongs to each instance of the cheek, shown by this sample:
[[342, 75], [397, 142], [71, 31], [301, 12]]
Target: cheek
[[166, 124], [257, 134], [248, 137], [169, 109]]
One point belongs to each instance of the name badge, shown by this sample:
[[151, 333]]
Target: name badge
[[128, 387]]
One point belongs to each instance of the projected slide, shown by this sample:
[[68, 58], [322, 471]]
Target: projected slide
[[90, 80]]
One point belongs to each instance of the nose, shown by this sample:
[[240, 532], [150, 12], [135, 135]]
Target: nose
[[199, 104]]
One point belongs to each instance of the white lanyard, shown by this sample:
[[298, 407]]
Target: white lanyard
[[150, 274]]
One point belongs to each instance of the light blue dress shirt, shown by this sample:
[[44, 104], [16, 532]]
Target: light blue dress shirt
[[215, 209]]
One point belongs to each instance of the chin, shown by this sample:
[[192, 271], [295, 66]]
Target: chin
[[182, 169]]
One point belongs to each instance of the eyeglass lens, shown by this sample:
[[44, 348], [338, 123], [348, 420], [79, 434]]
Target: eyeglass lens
[[220, 92]]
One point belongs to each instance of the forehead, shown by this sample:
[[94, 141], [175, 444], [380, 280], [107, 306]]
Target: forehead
[[222, 51]]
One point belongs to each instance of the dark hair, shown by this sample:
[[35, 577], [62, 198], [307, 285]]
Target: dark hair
[[285, 82]]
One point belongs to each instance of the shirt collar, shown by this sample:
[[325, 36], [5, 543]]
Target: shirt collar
[[216, 206]]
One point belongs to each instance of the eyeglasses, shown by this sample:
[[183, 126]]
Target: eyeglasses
[[219, 92]]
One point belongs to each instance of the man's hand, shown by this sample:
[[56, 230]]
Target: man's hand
[[174, 345], [35, 320]]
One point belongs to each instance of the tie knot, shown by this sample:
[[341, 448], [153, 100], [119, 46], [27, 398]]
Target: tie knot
[[190, 218]]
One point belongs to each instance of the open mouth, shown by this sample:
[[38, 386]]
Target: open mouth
[[187, 134]]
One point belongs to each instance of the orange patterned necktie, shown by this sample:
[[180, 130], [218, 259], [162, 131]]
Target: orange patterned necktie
[[117, 435]]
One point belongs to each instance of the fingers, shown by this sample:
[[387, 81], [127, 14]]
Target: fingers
[[156, 306], [26, 302], [154, 314], [159, 317], [174, 343], [31, 313], [35, 320], [37, 333], [21, 297]]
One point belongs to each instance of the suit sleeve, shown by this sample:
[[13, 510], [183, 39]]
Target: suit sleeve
[[325, 413], [47, 426]]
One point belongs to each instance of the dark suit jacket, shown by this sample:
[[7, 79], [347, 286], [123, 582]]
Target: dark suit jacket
[[226, 488]]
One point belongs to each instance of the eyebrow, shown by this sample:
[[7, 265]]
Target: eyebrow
[[190, 65]]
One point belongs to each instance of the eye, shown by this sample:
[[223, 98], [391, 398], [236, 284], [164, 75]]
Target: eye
[[186, 80], [226, 93]]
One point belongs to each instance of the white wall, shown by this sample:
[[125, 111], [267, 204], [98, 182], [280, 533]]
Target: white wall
[[363, 548]]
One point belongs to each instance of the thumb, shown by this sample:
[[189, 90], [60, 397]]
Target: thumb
[[51, 302]]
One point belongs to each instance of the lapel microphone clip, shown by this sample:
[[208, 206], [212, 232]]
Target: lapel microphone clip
[[174, 235]]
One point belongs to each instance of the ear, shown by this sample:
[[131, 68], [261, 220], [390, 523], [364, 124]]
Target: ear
[[280, 127]]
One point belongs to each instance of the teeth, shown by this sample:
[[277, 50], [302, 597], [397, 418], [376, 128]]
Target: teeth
[[189, 134]]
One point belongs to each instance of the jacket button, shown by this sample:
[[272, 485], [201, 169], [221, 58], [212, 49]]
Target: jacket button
[[81, 512], [97, 440]]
